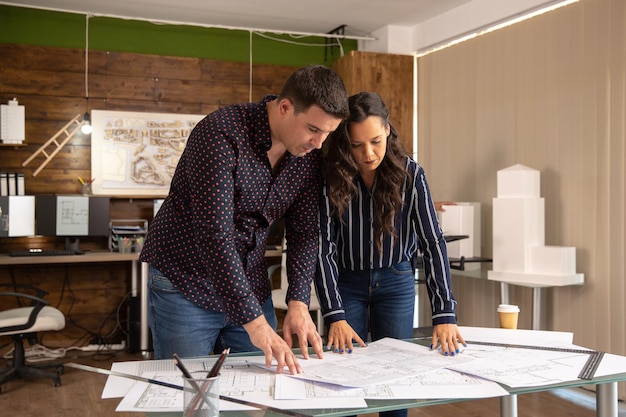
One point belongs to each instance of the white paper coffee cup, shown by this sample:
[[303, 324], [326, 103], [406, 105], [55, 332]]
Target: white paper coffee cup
[[508, 315]]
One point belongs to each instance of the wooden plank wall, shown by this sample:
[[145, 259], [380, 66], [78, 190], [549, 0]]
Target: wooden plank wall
[[389, 75], [50, 83]]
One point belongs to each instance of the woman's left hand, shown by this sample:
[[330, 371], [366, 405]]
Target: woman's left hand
[[449, 337]]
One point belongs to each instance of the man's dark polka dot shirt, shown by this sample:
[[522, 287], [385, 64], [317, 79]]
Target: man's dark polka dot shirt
[[209, 235]]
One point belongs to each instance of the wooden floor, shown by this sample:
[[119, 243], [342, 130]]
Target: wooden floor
[[80, 396]]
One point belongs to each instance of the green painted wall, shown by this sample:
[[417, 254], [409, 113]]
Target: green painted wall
[[67, 30]]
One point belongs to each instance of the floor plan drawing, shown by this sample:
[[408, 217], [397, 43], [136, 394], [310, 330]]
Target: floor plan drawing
[[136, 153]]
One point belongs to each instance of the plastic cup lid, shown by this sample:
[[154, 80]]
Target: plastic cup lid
[[508, 308]]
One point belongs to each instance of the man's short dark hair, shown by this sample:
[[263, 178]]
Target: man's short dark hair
[[317, 85]]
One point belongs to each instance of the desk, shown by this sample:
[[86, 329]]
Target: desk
[[94, 257], [606, 400], [139, 281]]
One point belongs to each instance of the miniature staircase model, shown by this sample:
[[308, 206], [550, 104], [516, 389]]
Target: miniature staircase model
[[53, 141]]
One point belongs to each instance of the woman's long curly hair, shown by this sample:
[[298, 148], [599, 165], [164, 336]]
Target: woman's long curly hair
[[340, 169]]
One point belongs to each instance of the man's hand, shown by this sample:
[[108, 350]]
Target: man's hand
[[273, 346], [298, 321], [340, 337], [439, 205]]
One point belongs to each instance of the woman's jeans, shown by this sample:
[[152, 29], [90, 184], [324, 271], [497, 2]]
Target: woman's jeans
[[180, 326], [380, 302]]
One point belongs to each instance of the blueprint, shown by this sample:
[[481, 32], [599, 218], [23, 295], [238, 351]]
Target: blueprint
[[387, 369], [382, 361], [440, 383], [238, 379]]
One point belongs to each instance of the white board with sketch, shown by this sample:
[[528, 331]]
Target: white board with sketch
[[136, 153]]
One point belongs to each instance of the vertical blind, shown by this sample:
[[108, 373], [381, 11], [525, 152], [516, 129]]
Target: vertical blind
[[548, 93]]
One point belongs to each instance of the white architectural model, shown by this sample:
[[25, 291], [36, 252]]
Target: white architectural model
[[462, 219], [520, 256]]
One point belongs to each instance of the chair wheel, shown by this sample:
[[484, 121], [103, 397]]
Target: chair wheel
[[57, 382]]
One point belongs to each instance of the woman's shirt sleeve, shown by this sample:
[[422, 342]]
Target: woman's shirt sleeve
[[327, 270], [434, 251]]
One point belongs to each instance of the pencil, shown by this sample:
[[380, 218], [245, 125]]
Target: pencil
[[200, 394], [215, 370], [213, 373]]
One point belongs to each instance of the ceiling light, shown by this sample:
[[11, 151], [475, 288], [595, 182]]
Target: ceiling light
[[496, 26], [86, 127]]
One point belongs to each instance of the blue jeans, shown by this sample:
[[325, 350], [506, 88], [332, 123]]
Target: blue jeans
[[381, 302], [180, 326]]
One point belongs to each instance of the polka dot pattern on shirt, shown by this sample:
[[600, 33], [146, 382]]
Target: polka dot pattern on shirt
[[209, 235]]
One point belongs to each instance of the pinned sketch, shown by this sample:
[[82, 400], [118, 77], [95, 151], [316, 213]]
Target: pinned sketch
[[72, 216], [135, 153]]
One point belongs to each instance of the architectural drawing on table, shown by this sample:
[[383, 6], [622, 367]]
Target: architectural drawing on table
[[520, 256], [381, 362], [462, 219], [138, 151], [248, 379], [521, 367]]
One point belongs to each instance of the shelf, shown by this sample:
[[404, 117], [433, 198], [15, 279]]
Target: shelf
[[529, 279], [15, 145], [459, 263]]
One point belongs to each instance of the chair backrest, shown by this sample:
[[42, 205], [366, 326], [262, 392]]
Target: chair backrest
[[284, 282], [35, 317]]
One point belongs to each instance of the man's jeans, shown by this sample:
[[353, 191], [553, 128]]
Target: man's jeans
[[179, 326]]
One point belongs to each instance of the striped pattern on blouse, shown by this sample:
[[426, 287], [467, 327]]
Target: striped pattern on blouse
[[349, 245]]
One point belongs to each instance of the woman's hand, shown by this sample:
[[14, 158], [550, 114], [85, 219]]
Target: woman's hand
[[340, 336], [449, 336]]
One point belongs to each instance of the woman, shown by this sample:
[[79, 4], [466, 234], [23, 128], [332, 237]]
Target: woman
[[376, 212]]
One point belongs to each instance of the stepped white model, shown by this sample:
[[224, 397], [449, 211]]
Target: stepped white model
[[520, 256]]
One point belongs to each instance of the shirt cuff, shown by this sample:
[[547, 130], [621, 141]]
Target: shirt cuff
[[334, 316]]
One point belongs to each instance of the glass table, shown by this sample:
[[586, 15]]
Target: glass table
[[606, 398]]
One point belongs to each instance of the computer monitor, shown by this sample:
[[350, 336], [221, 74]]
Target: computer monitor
[[72, 217]]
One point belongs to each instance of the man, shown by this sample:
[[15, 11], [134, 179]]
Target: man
[[243, 167]]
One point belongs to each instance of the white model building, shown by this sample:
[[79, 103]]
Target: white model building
[[520, 256]]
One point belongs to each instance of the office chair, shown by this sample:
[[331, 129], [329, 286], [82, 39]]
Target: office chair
[[23, 323], [279, 294]]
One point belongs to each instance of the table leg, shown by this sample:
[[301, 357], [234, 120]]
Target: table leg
[[508, 406], [536, 308], [504, 293], [144, 311], [606, 400], [133, 279]]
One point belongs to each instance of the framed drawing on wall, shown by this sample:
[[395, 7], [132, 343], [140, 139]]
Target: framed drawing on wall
[[135, 153]]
